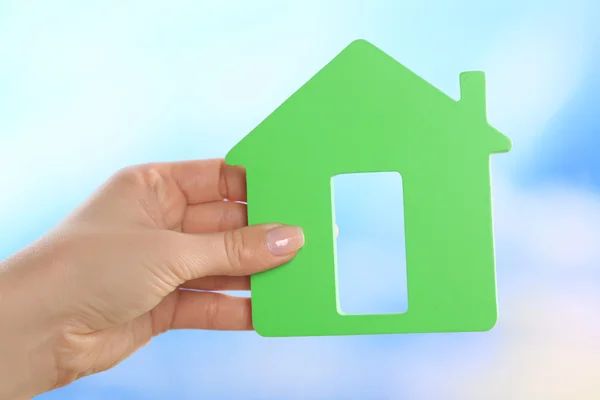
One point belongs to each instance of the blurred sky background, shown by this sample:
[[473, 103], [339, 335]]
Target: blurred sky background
[[87, 87]]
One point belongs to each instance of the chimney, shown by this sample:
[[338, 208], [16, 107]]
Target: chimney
[[472, 91]]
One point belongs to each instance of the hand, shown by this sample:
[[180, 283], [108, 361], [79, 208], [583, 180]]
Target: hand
[[119, 270]]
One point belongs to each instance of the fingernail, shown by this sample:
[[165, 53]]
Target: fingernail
[[284, 240]]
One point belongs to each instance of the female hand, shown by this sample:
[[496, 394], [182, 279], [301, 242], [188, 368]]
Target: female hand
[[116, 272]]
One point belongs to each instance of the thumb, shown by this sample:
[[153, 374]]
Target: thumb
[[243, 251]]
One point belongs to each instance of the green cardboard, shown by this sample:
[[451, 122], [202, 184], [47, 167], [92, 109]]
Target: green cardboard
[[365, 112]]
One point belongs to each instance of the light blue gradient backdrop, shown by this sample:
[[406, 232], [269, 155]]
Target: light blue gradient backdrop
[[89, 87]]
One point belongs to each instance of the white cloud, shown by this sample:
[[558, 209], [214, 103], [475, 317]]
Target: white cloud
[[534, 67], [297, 368], [550, 349], [555, 227]]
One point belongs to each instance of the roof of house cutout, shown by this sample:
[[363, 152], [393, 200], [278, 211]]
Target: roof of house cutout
[[365, 112]]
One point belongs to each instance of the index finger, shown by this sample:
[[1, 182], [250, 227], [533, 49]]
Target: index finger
[[205, 181]]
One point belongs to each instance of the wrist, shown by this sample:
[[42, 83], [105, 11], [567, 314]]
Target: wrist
[[26, 342]]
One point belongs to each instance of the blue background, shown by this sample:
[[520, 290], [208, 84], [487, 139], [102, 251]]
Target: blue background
[[89, 87]]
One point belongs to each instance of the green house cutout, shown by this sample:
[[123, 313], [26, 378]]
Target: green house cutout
[[365, 112]]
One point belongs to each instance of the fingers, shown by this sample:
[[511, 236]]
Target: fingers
[[212, 217], [224, 282], [239, 252], [219, 283], [253, 249], [204, 181], [210, 310], [218, 216]]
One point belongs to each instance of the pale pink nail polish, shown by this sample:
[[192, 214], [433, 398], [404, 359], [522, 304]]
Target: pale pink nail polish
[[284, 240]]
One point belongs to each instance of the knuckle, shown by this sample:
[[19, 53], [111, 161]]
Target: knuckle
[[246, 316], [223, 187], [130, 176], [213, 307], [226, 218], [144, 175], [178, 263], [151, 185], [128, 181], [235, 249], [72, 355], [241, 214], [233, 216]]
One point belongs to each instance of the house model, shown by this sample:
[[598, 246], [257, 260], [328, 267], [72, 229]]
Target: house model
[[365, 112]]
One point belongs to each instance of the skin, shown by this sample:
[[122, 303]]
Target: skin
[[142, 256]]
